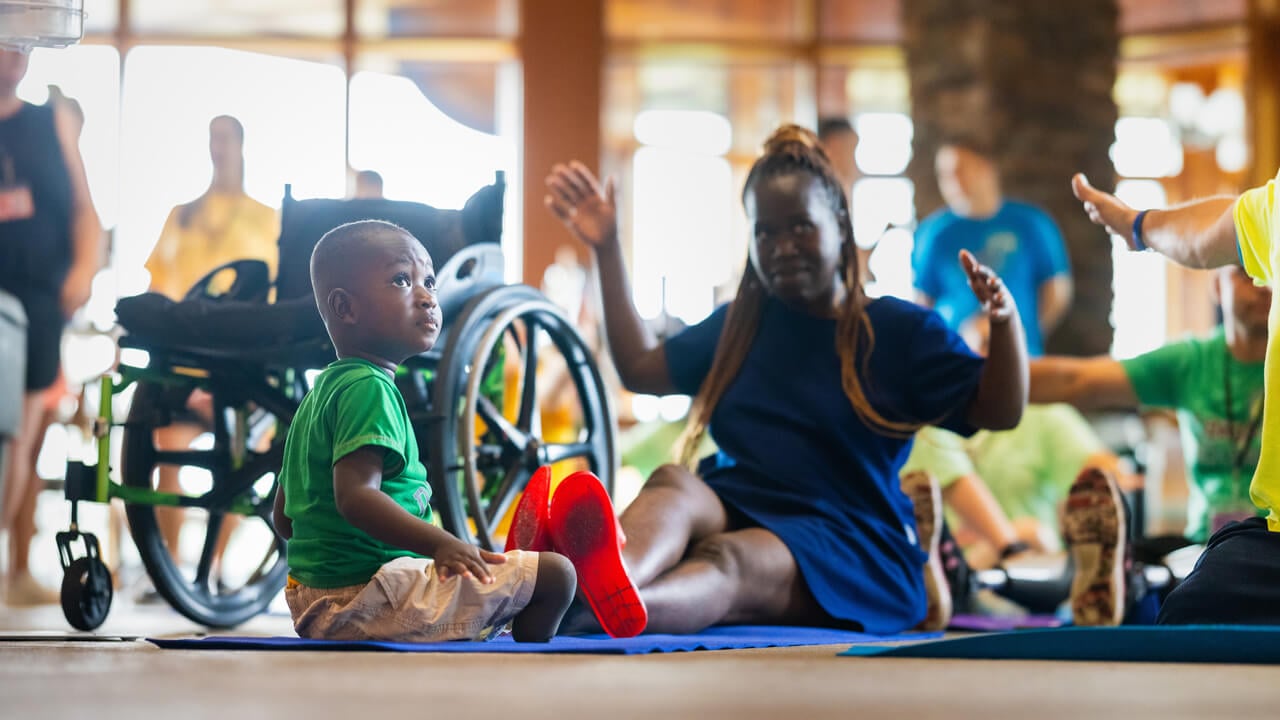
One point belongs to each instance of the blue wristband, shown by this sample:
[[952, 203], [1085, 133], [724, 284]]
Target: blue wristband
[[1138, 245]]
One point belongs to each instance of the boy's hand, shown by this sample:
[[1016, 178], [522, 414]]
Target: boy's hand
[[577, 199], [988, 288], [459, 558]]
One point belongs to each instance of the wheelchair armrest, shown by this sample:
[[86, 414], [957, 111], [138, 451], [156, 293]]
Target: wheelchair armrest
[[471, 269], [252, 282]]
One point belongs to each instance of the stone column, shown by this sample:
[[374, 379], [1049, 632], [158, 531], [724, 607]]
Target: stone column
[[1032, 82]]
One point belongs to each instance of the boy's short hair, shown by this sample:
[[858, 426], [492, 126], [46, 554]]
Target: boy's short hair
[[339, 251]]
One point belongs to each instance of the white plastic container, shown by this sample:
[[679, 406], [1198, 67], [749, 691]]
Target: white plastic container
[[26, 24]]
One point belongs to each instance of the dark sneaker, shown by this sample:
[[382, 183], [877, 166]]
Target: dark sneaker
[[926, 499], [1096, 533]]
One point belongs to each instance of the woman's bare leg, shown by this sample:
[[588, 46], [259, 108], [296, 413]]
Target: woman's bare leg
[[674, 510], [19, 478], [742, 577]]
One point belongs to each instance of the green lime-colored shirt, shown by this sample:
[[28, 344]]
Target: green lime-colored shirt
[[1194, 377], [1029, 469], [354, 404]]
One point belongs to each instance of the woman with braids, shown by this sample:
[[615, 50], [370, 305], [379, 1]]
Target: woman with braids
[[811, 390]]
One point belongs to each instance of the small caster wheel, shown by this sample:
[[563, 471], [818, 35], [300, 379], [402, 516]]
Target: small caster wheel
[[86, 593]]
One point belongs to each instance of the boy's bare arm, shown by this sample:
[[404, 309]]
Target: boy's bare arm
[[357, 491], [284, 526]]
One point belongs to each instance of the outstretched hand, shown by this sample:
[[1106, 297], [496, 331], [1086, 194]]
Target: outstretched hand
[[460, 558], [1105, 209], [988, 288], [576, 197]]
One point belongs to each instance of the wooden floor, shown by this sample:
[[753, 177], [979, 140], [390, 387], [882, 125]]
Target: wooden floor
[[49, 675]]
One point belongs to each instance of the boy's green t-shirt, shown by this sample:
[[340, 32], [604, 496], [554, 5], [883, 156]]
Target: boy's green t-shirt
[[1194, 377], [354, 404]]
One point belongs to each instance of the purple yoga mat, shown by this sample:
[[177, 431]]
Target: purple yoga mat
[[981, 623]]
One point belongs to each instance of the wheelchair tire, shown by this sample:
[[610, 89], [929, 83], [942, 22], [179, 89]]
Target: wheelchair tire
[[193, 593], [86, 593], [478, 475]]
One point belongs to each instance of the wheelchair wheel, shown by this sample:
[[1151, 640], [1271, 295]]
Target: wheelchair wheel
[[86, 593], [511, 345], [252, 566]]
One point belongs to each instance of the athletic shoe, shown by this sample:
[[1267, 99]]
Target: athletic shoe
[[926, 500], [1095, 530], [585, 530], [529, 527]]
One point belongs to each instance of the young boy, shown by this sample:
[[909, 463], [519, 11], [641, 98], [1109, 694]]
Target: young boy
[[365, 560]]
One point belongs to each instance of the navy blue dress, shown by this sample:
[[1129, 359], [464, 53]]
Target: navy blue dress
[[796, 459]]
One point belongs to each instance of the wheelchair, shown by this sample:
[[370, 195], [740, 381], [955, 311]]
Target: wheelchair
[[473, 400]]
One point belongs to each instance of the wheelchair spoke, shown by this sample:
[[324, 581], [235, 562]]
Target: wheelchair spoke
[[212, 530], [515, 477], [494, 419], [528, 389], [555, 452]]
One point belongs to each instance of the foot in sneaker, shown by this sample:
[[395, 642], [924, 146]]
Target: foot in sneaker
[[585, 530], [530, 529], [926, 499], [1095, 530]]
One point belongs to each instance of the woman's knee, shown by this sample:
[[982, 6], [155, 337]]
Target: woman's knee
[[676, 478]]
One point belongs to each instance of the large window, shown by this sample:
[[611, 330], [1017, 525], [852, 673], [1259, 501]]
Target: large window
[[171, 93]]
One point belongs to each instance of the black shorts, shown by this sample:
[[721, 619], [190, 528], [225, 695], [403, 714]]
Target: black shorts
[[44, 338], [1236, 581]]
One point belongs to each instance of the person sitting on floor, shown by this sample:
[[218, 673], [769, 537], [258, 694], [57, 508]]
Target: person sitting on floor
[[811, 391], [365, 560]]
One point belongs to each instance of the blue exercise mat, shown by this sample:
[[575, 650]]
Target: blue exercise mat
[[1234, 644], [719, 638]]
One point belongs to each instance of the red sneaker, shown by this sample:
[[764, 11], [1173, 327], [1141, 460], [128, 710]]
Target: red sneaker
[[529, 527], [584, 529]]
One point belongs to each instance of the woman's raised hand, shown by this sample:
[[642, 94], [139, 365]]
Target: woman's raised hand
[[587, 209], [995, 298]]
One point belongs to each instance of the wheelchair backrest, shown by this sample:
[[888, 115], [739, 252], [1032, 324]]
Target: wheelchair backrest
[[442, 232]]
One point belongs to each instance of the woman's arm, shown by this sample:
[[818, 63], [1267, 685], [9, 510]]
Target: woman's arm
[[86, 229], [1002, 387], [589, 211]]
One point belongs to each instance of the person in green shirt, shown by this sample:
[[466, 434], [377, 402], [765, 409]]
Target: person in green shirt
[[1214, 383], [366, 561]]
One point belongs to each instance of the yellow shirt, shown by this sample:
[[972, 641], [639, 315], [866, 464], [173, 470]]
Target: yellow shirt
[[225, 228], [1259, 239]]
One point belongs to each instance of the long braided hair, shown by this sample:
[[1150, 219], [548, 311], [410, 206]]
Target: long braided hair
[[792, 149]]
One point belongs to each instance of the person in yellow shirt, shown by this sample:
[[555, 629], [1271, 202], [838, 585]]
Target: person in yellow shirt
[[222, 225], [1237, 580]]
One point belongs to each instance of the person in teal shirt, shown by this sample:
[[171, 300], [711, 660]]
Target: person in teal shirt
[[366, 561], [1214, 383]]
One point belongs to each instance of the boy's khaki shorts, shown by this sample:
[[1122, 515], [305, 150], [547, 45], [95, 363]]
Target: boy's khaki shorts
[[407, 602]]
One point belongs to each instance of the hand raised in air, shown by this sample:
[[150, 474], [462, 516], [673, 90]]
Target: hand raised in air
[[586, 208], [994, 297]]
